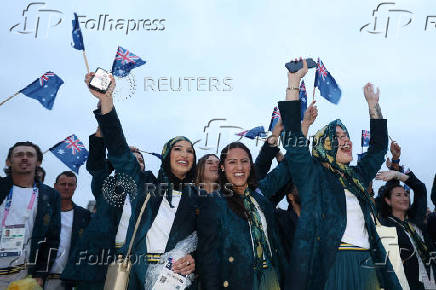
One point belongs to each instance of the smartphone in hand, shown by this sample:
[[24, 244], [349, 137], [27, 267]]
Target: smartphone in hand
[[101, 81], [294, 66]]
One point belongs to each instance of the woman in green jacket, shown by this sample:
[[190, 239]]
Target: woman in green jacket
[[336, 245]]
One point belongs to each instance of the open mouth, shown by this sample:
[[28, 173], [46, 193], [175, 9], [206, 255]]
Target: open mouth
[[182, 162]]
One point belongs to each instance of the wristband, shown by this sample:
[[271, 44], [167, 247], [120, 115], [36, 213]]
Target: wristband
[[396, 161], [293, 88]]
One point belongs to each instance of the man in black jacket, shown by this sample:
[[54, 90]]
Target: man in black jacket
[[31, 210]]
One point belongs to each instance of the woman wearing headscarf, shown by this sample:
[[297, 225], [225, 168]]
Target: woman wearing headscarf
[[413, 240], [336, 245], [170, 215]]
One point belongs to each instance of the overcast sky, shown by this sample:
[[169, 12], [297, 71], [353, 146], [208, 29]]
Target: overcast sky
[[244, 46]]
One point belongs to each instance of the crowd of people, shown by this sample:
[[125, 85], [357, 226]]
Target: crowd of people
[[215, 223]]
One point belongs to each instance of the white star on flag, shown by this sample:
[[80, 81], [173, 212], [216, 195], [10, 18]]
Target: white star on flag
[[60, 151]]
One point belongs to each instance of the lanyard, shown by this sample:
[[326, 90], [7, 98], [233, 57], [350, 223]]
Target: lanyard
[[8, 204]]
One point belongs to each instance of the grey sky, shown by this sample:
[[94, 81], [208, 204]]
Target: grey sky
[[248, 41]]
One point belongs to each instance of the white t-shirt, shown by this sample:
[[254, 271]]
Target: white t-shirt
[[17, 215], [159, 233], [120, 238], [355, 232], [65, 242]]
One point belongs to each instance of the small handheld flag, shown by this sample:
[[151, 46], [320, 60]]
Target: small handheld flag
[[365, 138], [326, 84], [78, 39], [253, 133], [124, 62], [71, 152], [275, 117], [303, 99], [44, 89]]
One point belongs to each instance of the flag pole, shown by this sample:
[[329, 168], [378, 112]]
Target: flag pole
[[313, 96], [86, 60], [45, 151], [17, 93], [392, 140]]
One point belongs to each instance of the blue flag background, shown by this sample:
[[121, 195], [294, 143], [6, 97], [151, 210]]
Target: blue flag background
[[253, 133], [77, 34], [71, 152], [44, 89], [124, 62], [275, 117], [326, 84]]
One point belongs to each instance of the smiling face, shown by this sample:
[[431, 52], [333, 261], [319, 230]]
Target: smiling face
[[344, 155], [23, 160], [236, 168], [181, 158], [211, 169], [399, 201]]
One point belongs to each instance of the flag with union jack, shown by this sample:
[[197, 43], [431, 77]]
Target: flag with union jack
[[275, 117], [365, 138], [44, 89], [71, 152], [124, 62], [77, 34], [253, 133], [326, 84]]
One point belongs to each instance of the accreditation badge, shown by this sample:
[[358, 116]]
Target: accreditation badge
[[169, 280], [12, 240]]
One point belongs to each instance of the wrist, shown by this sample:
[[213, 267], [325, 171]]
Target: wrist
[[272, 140], [395, 160]]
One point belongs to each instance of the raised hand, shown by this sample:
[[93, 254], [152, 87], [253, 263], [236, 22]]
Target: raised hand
[[294, 81], [372, 99], [105, 100], [309, 117], [391, 174], [395, 150]]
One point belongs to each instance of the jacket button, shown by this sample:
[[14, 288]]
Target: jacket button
[[226, 284], [318, 238], [231, 259]]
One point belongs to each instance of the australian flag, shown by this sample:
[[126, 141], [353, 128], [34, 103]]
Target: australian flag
[[326, 84], [77, 34], [124, 62], [44, 89], [365, 138], [71, 152], [275, 117], [303, 99], [253, 133]]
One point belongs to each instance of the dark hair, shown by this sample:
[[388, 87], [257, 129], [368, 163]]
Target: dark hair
[[200, 168], [234, 201], [67, 174], [385, 209], [190, 175], [39, 155], [39, 168], [135, 150]]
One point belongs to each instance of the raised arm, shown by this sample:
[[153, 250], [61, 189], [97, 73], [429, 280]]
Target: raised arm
[[295, 142], [370, 164], [118, 151], [268, 152], [418, 209]]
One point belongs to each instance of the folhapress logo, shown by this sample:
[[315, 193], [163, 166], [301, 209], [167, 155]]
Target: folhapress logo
[[106, 23], [37, 20]]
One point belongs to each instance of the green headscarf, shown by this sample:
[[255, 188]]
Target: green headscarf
[[165, 175], [325, 147]]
